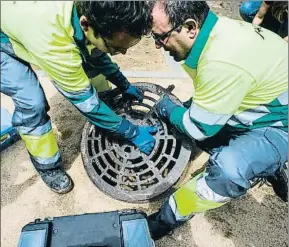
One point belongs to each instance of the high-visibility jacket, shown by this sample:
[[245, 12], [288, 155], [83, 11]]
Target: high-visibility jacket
[[240, 75], [48, 34]]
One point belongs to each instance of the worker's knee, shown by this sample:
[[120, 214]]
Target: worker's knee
[[226, 176], [249, 9], [32, 112]]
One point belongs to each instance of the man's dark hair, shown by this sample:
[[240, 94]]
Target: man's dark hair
[[108, 17], [179, 11], [280, 10]]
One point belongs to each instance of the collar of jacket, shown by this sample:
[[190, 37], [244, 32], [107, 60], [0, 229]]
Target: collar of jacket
[[78, 35], [203, 36]]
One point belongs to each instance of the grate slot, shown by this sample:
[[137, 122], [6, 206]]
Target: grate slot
[[96, 146], [177, 152], [168, 169], [146, 175], [89, 148], [96, 168], [102, 163], [137, 160], [161, 163], [169, 147], [159, 150], [109, 181], [111, 173]]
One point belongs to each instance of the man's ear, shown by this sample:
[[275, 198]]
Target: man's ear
[[84, 23], [192, 27]]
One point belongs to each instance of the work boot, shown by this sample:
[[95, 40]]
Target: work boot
[[279, 183], [57, 180], [158, 229]]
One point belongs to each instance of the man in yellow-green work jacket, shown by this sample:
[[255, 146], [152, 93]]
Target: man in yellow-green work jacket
[[58, 37], [239, 110]]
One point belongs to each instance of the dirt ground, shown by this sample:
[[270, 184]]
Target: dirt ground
[[257, 220]]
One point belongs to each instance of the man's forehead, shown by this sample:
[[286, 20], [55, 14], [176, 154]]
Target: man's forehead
[[160, 19]]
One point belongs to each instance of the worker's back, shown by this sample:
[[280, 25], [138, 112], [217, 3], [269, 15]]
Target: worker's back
[[34, 27], [42, 33], [243, 71], [261, 53]]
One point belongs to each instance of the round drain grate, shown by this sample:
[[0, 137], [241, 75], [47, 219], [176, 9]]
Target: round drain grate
[[119, 169]]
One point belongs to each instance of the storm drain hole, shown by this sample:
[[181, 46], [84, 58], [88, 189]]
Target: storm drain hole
[[111, 173], [149, 102], [159, 150], [169, 146], [137, 160], [139, 108], [162, 163], [89, 147], [146, 175], [91, 132], [168, 169], [141, 168], [130, 178], [111, 162], [127, 149], [109, 181], [152, 95], [177, 150], [129, 187], [103, 143], [101, 162], [117, 155], [149, 183], [96, 168], [96, 147]]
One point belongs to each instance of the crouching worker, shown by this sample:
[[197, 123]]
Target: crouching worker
[[239, 111], [60, 37]]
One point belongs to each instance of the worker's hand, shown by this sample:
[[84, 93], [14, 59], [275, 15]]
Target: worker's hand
[[257, 20], [165, 107], [262, 11], [144, 139], [132, 93], [141, 136]]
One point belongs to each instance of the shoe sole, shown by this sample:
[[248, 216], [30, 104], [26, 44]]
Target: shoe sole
[[67, 189]]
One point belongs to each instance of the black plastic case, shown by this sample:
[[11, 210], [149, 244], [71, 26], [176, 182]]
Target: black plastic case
[[111, 229]]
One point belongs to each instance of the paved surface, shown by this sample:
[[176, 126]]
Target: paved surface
[[257, 220]]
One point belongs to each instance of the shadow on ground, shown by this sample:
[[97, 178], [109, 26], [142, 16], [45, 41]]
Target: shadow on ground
[[69, 123], [248, 222], [258, 219]]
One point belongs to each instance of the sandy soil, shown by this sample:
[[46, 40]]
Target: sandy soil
[[257, 220]]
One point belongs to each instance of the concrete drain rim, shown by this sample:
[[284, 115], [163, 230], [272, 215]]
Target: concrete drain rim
[[98, 168]]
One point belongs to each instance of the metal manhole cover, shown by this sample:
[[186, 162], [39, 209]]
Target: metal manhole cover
[[120, 170]]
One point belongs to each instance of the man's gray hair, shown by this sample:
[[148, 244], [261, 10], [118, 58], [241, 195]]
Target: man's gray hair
[[179, 11]]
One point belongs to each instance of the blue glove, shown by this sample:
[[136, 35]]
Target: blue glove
[[144, 140], [138, 135], [133, 93], [129, 91], [165, 107]]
